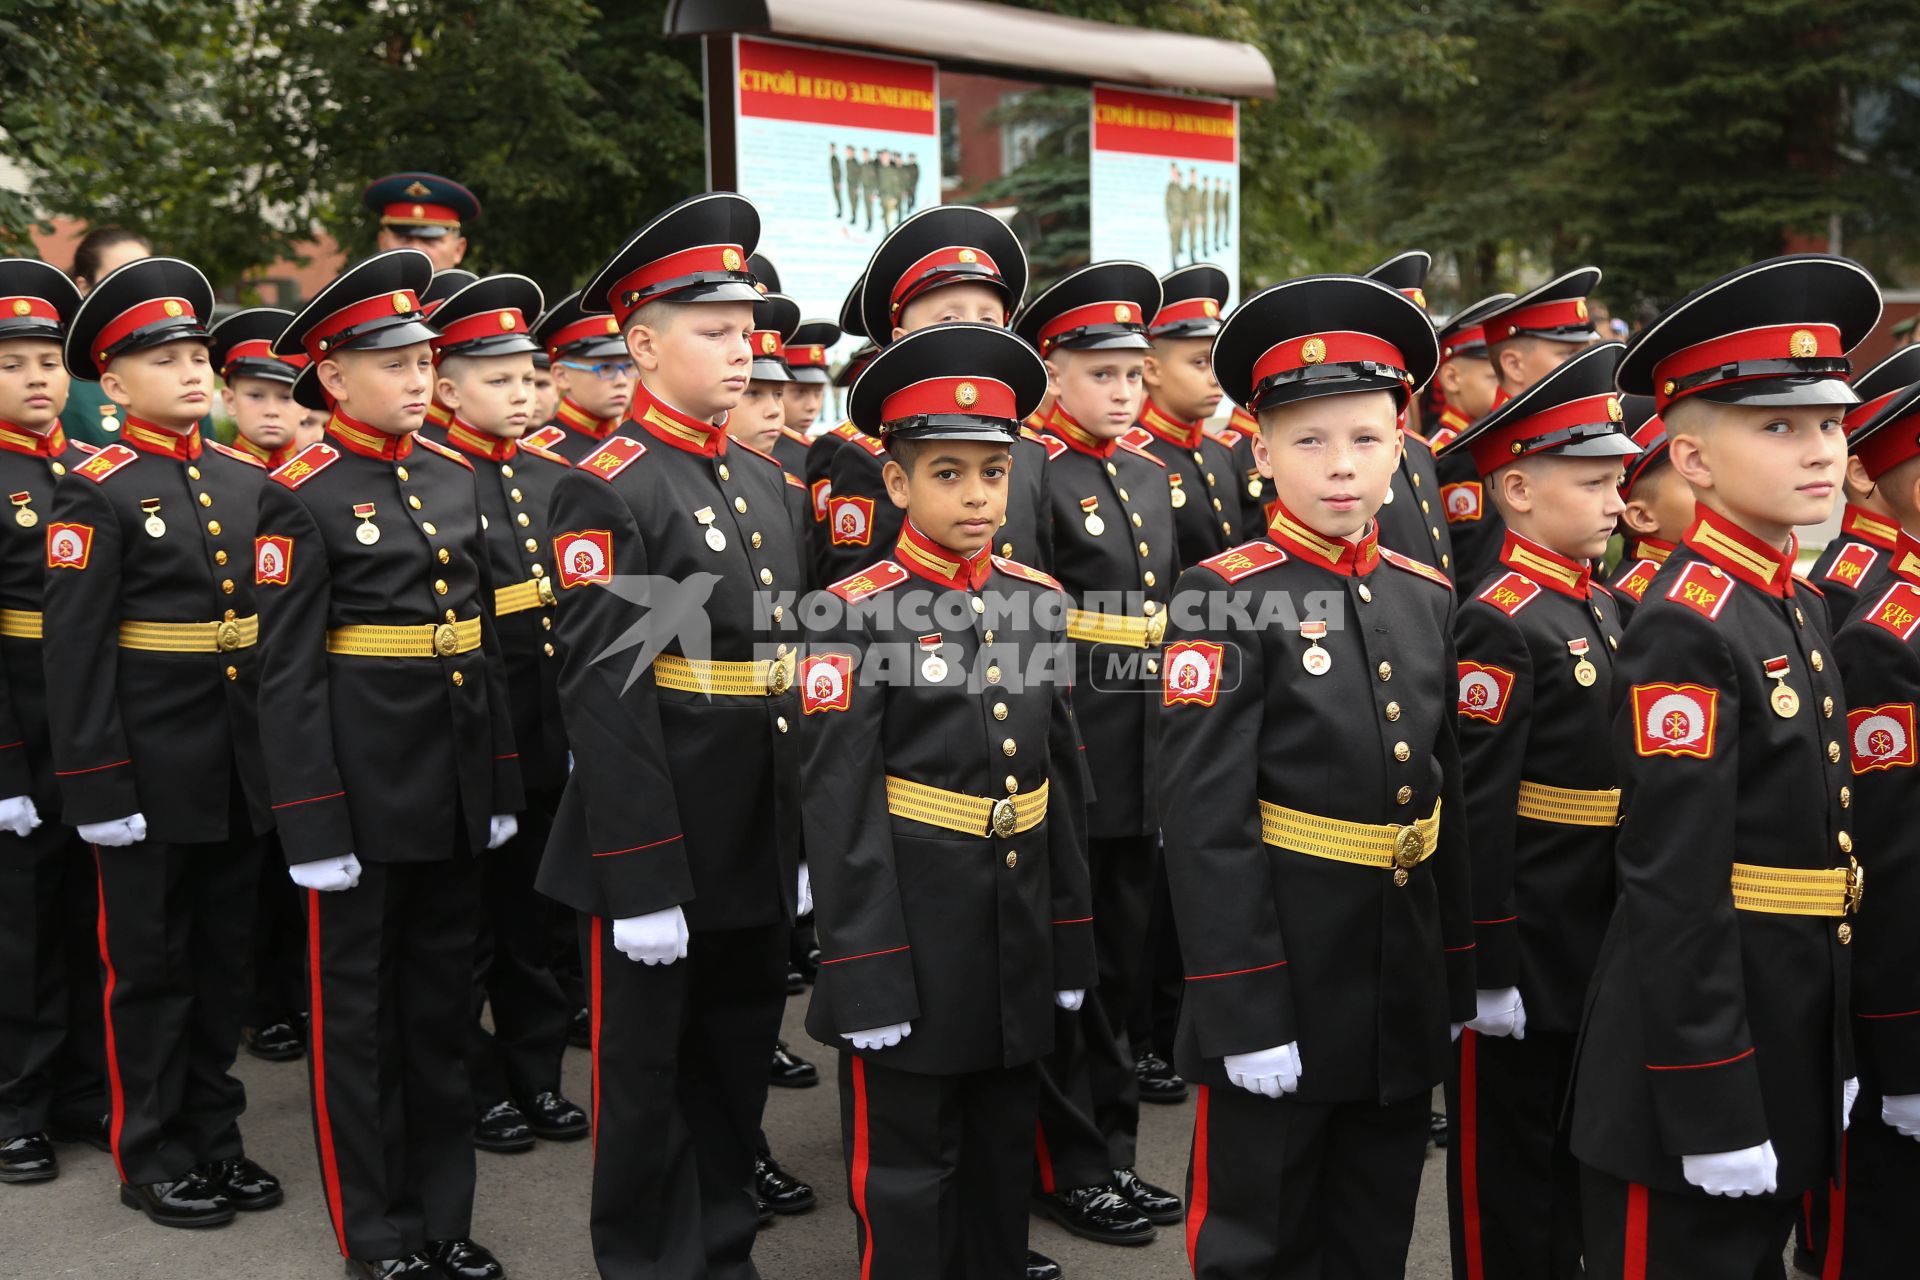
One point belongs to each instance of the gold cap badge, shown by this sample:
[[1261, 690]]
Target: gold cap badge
[[173, 308], [730, 259], [506, 320], [1313, 351], [965, 395], [1123, 313], [968, 255], [1614, 411], [402, 303], [1803, 345]]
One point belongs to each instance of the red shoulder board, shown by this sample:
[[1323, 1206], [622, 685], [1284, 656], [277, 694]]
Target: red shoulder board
[[1015, 569], [791, 434], [1701, 590], [1055, 446], [758, 453], [1849, 568], [236, 454], [1228, 436], [1801, 579], [545, 438], [1510, 594], [1139, 450], [1416, 567], [872, 444], [1137, 437], [1897, 611], [613, 458], [1243, 560], [1633, 581], [306, 464], [1028, 433], [795, 481], [846, 431], [875, 578], [539, 452], [84, 447], [106, 462], [451, 455]]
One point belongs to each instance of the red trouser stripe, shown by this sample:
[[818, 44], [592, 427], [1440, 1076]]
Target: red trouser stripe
[[1197, 1193], [1044, 1157], [106, 996], [594, 1035], [1635, 1254], [857, 1172], [317, 1049], [1836, 1220], [1469, 1140]]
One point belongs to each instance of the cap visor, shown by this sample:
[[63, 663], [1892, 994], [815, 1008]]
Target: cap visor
[[770, 371], [812, 373], [1616, 445], [404, 334], [718, 291], [1783, 392]]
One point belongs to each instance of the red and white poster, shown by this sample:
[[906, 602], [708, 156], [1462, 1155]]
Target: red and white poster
[[1166, 179]]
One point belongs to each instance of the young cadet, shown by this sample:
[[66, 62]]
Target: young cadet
[[442, 286], [1181, 394], [591, 371], [1532, 334], [945, 263], [546, 396], [955, 916], [483, 365], [1855, 562], [678, 834], [389, 746], [1465, 379], [1315, 837], [422, 211], [1535, 643], [1658, 511], [52, 1072], [807, 393], [1116, 552], [1715, 1047], [819, 469], [1409, 523], [1875, 1233], [156, 744], [257, 387]]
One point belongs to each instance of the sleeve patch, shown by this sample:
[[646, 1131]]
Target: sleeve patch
[[1484, 691], [852, 520], [1700, 590], [306, 464], [1192, 671], [873, 578], [1633, 583], [69, 545], [826, 683], [584, 556], [615, 456], [1418, 568], [1464, 503], [1510, 594], [1849, 568], [545, 438], [1882, 737], [1897, 611], [236, 454], [106, 462], [821, 491], [1244, 560], [272, 560], [1675, 719]]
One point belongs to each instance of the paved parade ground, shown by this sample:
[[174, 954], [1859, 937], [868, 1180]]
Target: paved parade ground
[[532, 1208]]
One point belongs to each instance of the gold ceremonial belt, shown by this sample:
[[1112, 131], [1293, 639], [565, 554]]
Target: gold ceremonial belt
[[188, 637], [1569, 807], [20, 624], [969, 815], [728, 679], [1387, 846], [534, 593], [1116, 628], [1780, 891], [424, 640]]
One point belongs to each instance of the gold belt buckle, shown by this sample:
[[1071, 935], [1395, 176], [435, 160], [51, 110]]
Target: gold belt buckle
[[1156, 628], [543, 587], [780, 675], [1856, 885], [446, 640], [1407, 848], [226, 637], [1003, 818]]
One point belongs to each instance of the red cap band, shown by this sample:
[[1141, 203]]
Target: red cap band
[[1084, 317], [1184, 310], [1891, 445], [487, 324], [320, 337], [1460, 339], [138, 316], [983, 396], [259, 349], [1567, 313], [925, 274], [1858, 414], [1770, 342], [408, 213], [580, 331], [21, 308], [808, 357], [641, 286], [1341, 347], [1495, 449], [767, 345]]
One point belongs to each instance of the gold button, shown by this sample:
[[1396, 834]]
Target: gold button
[[1137, 522], [1153, 666], [1393, 711], [1149, 578], [440, 586], [229, 616], [506, 470], [779, 613], [781, 724], [1826, 707], [213, 527], [1819, 663], [755, 539], [531, 545], [459, 679], [1613, 642], [444, 557], [206, 499], [993, 674], [1445, 560], [413, 500], [1147, 607], [1846, 843], [1006, 548], [1366, 593], [1216, 504], [1385, 670], [1844, 933], [193, 473], [1435, 531], [401, 472], [226, 586], [766, 577], [1402, 752], [546, 622], [1416, 484], [988, 638], [724, 473], [1008, 747], [548, 648], [1112, 470], [1425, 506], [59, 469], [1124, 495], [1013, 785], [233, 673], [1846, 797], [1013, 859], [430, 530], [1798, 616], [999, 711], [1403, 795], [1143, 548], [1833, 752], [219, 557], [979, 605], [740, 505], [522, 520], [1713, 571], [451, 617], [514, 494]]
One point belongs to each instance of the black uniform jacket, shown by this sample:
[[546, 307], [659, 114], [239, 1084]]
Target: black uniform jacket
[[1711, 1028], [1414, 519], [1635, 573], [1254, 490], [967, 935], [1473, 525], [1201, 478], [1279, 945], [574, 433], [390, 758], [164, 734], [1857, 564]]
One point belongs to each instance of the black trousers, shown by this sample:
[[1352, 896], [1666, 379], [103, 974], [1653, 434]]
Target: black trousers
[[680, 1055], [176, 945], [279, 943], [52, 1042], [1155, 1015], [1286, 1190], [937, 1169], [521, 1056], [1638, 1233], [390, 963], [1874, 1231], [1513, 1186]]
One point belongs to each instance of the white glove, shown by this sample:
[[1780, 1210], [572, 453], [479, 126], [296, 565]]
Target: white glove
[[1902, 1113], [1458, 1027], [1751, 1172], [501, 827], [1270, 1072], [1070, 1000], [803, 896], [328, 875], [659, 937], [116, 834], [1498, 1012], [18, 815], [1849, 1094], [879, 1037]]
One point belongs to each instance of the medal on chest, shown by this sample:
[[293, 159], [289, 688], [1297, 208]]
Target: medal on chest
[[933, 667], [23, 515], [156, 527], [1584, 672], [1785, 702], [1095, 525], [368, 533], [1316, 660], [716, 540], [1179, 495]]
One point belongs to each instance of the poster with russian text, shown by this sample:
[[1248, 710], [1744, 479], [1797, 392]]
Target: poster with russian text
[[1166, 179]]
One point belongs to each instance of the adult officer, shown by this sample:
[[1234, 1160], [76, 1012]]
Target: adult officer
[[422, 211]]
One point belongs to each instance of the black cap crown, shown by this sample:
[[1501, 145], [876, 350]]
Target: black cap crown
[[37, 300], [145, 303], [939, 246], [955, 381], [1322, 336]]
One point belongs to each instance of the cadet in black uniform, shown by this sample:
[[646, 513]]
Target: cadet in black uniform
[[1465, 379], [958, 913], [1412, 521], [390, 750], [1715, 1047], [819, 469], [1116, 552], [807, 358], [443, 286], [1857, 561], [52, 1072], [156, 746], [1658, 511], [1315, 836], [1535, 642], [678, 834], [591, 371]]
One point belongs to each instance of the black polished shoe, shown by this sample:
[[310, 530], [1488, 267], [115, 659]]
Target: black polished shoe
[[244, 1183], [1100, 1214], [28, 1158], [1437, 1127], [810, 967], [1159, 1082], [765, 1212], [464, 1260], [779, 1190], [552, 1117], [789, 1071], [796, 981], [281, 1042], [503, 1129], [94, 1131], [183, 1202], [1041, 1267], [1156, 1204], [415, 1266], [580, 1029]]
